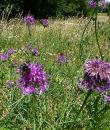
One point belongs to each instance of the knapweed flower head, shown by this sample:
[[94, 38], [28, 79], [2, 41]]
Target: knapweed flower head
[[5, 56], [92, 3], [97, 68], [33, 79], [34, 51], [100, 3], [28, 90], [10, 51], [62, 58], [106, 98], [45, 22], [29, 20], [96, 76]]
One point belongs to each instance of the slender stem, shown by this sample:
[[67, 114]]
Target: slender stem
[[85, 29], [29, 30], [80, 44], [15, 104], [34, 111], [81, 109], [34, 124], [97, 41], [105, 108], [96, 33], [84, 103]]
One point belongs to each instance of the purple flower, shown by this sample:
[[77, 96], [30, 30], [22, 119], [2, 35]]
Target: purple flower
[[34, 51], [10, 51], [96, 76], [29, 20], [106, 98], [27, 90], [94, 83], [45, 22], [62, 58], [98, 68], [86, 83], [92, 3], [4, 56], [101, 3], [32, 76]]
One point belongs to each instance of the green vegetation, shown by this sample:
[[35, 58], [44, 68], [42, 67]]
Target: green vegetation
[[41, 8], [56, 109]]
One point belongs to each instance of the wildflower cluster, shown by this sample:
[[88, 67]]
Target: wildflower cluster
[[29, 20], [96, 77], [45, 22], [5, 56], [62, 58], [101, 3], [33, 79]]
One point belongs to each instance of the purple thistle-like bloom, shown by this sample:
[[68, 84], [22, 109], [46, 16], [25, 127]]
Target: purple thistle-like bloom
[[4, 56], [94, 83], [98, 68], [29, 20], [92, 3], [96, 76], [106, 98], [34, 51], [10, 51], [62, 58], [86, 83], [28, 90], [102, 4], [45, 22], [33, 79]]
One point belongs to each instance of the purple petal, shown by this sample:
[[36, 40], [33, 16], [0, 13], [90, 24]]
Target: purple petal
[[28, 90], [4, 57], [106, 98]]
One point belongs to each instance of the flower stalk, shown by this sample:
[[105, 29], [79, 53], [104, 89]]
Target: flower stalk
[[96, 33]]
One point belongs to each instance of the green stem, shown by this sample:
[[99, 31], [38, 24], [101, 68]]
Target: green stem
[[97, 41], [104, 109], [81, 109], [34, 111], [29, 30], [34, 124], [84, 103], [15, 104], [80, 44], [96, 34]]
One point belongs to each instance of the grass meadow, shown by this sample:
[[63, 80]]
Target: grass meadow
[[58, 107]]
